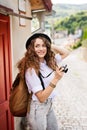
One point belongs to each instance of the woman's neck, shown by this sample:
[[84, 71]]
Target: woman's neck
[[42, 60]]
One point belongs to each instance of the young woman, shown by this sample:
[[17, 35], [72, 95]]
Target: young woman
[[40, 66]]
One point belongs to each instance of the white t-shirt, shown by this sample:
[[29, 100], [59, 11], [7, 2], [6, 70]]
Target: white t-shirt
[[33, 82]]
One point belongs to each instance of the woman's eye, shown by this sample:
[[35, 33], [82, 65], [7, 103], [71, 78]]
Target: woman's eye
[[40, 46], [44, 45], [37, 46]]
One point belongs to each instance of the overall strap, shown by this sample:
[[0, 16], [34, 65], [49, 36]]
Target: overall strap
[[42, 83]]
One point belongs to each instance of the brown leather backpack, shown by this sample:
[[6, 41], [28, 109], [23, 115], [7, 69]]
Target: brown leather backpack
[[20, 98]]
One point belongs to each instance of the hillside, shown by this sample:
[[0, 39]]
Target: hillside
[[63, 10]]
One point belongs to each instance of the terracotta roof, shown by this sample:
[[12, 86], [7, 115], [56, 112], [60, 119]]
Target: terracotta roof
[[41, 4], [48, 5]]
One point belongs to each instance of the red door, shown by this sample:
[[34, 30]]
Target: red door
[[5, 73]]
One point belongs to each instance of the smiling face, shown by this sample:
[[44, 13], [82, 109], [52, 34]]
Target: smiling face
[[40, 48]]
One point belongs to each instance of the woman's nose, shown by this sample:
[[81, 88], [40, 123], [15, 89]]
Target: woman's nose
[[41, 48]]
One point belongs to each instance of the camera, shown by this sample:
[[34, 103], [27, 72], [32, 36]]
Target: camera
[[65, 69]]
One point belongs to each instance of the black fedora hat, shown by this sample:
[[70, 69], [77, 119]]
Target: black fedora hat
[[36, 35]]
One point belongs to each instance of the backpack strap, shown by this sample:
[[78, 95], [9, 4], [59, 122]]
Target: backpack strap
[[42, 83]]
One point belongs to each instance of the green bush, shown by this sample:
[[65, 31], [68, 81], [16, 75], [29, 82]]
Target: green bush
[[84, 43], [84, 36], [76, 45]]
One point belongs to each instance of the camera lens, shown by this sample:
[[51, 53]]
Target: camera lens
[[65, 68]]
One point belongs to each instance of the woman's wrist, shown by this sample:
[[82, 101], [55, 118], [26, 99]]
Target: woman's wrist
[[55, 80], [52, 85]]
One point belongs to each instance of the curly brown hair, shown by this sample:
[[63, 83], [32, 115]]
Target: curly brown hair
[[31, 60]]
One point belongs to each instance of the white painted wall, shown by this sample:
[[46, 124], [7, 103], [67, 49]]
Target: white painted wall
[[19, 34]]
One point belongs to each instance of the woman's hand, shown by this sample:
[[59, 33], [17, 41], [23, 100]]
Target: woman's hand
[[59, 73], [62, 51]]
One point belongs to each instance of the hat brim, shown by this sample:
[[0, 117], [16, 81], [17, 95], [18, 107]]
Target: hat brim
[[36, 35]]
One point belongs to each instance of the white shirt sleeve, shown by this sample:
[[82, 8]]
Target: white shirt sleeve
[[58, 58], [33, 82]]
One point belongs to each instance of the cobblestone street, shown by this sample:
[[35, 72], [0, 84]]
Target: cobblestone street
[[70, 105]]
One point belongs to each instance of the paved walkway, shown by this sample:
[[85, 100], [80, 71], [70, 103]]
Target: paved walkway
[[70, 105]]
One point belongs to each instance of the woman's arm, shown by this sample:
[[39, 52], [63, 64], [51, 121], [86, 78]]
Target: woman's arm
[[34, 84], [62, 51], [42, 95]]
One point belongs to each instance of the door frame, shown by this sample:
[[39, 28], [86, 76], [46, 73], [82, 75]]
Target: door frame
[[5, 18]]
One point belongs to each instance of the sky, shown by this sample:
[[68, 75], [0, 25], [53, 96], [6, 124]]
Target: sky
[[69, 1]]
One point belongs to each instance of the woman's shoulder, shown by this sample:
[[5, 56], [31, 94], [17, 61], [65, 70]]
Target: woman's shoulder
[[30, 71]]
